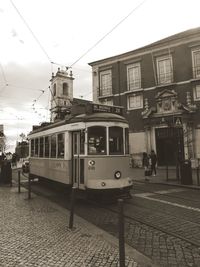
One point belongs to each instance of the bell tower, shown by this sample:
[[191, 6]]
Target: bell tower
[[61, 93]]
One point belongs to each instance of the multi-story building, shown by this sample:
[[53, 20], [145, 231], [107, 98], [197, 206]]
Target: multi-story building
[[159, 87]]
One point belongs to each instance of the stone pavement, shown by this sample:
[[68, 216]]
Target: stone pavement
[[163, 178], [35, 233]]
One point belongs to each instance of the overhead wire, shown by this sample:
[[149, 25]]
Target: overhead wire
[[29, 28], [88, 50], [109, 32]]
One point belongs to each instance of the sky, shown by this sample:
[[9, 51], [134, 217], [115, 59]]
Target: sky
[[35, 33]]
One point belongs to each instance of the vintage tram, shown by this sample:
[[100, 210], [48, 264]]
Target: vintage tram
[[88, 150]]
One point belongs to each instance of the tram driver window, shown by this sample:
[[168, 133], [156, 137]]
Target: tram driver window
[[96, 140], [115, 140]]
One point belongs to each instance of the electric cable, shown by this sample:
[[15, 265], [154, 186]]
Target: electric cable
[[109, 32], [29, 28]]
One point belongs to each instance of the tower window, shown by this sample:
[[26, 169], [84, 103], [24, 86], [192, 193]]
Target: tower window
[[65, 89], [54, 89]]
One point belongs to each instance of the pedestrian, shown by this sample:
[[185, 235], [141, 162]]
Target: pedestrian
[[145, 163], [153, 158]]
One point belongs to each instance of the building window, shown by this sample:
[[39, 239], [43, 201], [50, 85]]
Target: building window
[[135, 101], [133, 77], [105, 83], [196, 63], [164, 70], [65, 89], [196, 92]]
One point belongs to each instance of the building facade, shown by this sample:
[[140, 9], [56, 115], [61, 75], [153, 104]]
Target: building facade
[[159, 87]]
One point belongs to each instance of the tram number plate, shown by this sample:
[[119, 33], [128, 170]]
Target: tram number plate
[[91, 168]]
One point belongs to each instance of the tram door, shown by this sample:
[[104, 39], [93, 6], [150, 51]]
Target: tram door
[[78, 140]]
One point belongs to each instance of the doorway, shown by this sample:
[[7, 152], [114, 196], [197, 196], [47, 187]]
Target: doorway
[[78, 141], [169, 145]]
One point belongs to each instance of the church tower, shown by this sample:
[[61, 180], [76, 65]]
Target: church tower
[[61, 93]]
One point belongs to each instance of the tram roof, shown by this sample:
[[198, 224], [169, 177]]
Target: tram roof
[[94, 117], [98, 117]]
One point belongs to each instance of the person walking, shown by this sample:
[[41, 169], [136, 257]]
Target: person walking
[[145, 163], [153, 158]]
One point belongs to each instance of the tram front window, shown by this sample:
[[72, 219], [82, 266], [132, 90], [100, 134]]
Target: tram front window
[[115, 140], [96, 140]]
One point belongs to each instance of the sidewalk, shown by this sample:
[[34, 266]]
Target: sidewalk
[[161, 178], [35, 233]]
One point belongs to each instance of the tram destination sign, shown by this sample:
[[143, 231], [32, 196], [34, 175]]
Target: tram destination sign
[[107, 109]]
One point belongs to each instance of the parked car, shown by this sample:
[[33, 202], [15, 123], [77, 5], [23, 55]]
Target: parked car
[[25, 165]]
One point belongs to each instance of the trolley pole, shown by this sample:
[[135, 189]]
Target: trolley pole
[[19, 182], [71, 218], [121, 233], [29, 187]]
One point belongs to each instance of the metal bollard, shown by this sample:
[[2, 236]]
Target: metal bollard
[[71, 218], [121, 233], [19, 182], [167, 173], [29, 187]]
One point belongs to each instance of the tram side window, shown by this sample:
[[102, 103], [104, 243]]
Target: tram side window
[[126, 141], [61, 145], [41, 147], [115, 140], [46, 146], [97, 140], [53, 146], [32, 147], [36, 148]]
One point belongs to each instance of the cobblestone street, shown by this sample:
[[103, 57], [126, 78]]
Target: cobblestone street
[[35, 233]]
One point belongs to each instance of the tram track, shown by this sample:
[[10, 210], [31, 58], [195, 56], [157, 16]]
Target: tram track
[[106, 217], [148, 224], [139, 215], [165, 195], [145, 236]]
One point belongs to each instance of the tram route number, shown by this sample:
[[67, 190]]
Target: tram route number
[[92, 168]]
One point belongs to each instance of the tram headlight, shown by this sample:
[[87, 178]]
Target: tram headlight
[[91, 162], [103, 184], [117, 175]]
